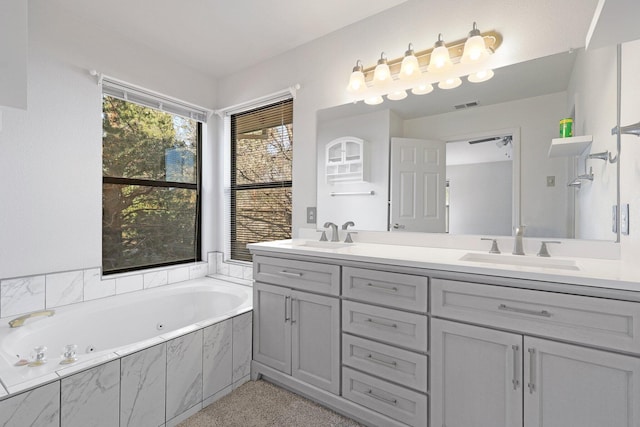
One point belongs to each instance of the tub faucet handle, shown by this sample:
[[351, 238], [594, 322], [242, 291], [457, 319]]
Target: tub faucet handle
[[39, 356], [494, 246], [19, 321]]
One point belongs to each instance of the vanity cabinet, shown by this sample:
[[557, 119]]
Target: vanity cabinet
[[384, 346], [487, 377], [392, 345], [298, 332]]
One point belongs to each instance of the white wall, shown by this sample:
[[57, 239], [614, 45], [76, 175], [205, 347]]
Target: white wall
[[592, 96], [472, 211], [630, 156], [537, 119], [51, 165]]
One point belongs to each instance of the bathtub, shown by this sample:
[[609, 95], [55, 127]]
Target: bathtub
[[112, 327]]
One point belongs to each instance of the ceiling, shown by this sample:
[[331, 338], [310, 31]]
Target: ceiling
[[219, 37]]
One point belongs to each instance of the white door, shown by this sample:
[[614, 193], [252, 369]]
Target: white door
[[571, 386], [418, 179], [476, 376]]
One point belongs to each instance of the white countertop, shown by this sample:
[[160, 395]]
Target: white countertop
[[602, 273]]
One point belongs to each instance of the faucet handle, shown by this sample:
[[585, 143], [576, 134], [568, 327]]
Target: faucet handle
[[543, 252], [494, 246], [323, 236]]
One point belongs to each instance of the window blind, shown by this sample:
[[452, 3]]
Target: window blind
[[261, 176]]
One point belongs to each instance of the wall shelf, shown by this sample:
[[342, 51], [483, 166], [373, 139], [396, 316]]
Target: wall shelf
[[572, 146], [346, 160]]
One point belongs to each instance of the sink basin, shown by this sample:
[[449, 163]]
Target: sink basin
[[522, 261], [325, 245]]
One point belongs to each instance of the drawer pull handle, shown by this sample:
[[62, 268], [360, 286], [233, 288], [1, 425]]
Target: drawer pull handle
[[286, 317], [382, 362], [393, 402], [543, 313], [382, 288], [532, 370], [515, 380], [387, 325], [291, 273]]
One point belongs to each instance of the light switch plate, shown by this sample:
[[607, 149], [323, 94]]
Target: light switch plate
[[624, 219], [311, 215]]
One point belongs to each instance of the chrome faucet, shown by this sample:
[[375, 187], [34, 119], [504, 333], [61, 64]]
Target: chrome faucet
[[334, 231], [517, 243], [346, 225], [19, 321]]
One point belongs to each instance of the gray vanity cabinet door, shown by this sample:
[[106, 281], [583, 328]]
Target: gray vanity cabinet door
[[315, 341], [272, 326], [571, 386], [476, 376]]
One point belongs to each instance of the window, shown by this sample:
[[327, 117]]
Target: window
[[261, 162], [150, 186]]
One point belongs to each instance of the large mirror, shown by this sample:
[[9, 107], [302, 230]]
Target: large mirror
[[492, 142]]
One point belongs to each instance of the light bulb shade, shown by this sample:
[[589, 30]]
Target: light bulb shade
[[410, 68], [480, 76], [450, 83], [397, 95], [475, 50], [440, 61], [357, 83], [422, 89], [382, 74], [373, 100]]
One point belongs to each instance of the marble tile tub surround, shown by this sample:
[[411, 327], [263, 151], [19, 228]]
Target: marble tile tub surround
[[22, 295], [161, 385]]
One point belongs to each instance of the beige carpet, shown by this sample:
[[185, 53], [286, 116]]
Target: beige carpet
[[261, 404]]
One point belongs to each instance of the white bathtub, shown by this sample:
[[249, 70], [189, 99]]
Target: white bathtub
[[111, 327]]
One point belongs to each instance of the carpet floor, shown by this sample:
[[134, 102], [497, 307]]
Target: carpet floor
[[262, 404]]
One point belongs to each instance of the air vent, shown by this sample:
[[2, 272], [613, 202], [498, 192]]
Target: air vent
[[466, 105]]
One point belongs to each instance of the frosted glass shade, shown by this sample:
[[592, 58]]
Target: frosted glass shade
[[475, 51], [422, 89], [451, 83], [440, 61], [480, 76], [381, 75], [374, 100], [410, 68], [357, 83]]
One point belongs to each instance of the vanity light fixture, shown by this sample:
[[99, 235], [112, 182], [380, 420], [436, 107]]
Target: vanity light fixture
[[410, 68], [450, 83], [357, 83], [382, 74], [480, 76], [422, 88], [444, 65], [397, 95], [474, 48], [440, 61]]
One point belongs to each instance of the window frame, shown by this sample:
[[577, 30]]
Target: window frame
[[197, 187], [234, 187]]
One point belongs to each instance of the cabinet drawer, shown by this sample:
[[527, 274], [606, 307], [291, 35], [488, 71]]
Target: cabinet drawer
[[381, 396], [589, 320], [384, 324], [307, 276], [391, 363], [380, 287]]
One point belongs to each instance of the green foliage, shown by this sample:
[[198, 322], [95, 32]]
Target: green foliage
[[144, 224]]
